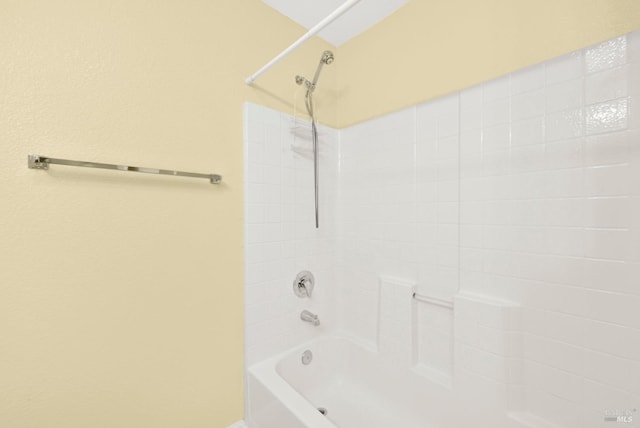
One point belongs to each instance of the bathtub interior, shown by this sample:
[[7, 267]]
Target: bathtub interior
[[275, 403], [359, 386], [359, 389]]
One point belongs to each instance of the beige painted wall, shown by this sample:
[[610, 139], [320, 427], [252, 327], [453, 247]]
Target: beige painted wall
[[434, 47], [121, 294]]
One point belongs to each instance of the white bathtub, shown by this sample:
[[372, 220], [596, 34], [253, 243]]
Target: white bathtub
[[358, 389]]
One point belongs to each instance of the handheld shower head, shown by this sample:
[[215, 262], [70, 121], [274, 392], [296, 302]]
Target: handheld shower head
[[327, 57]]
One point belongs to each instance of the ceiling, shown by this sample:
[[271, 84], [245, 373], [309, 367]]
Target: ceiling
[[359, 18]]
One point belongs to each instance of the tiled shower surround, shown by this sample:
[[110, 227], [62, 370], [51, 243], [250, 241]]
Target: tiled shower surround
[[513, 208], [280, 235]]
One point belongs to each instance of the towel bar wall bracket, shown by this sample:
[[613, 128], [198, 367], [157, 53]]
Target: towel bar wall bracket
[[35, 162], [43, 162]]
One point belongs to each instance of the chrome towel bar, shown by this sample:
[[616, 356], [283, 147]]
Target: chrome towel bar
[[433, 300], [43, 162]]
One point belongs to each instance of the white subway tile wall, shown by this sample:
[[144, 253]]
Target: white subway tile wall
[[525, 188], [489, 347], [396, 320], [280, 236], [433, 353]]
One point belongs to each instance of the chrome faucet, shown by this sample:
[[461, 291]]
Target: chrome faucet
[[303, 284], [310, 317]]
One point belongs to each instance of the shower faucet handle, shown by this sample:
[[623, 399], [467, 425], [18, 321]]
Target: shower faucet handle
[[303, 284]]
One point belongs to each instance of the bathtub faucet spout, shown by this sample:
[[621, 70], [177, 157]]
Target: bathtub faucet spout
[[310, 317]]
